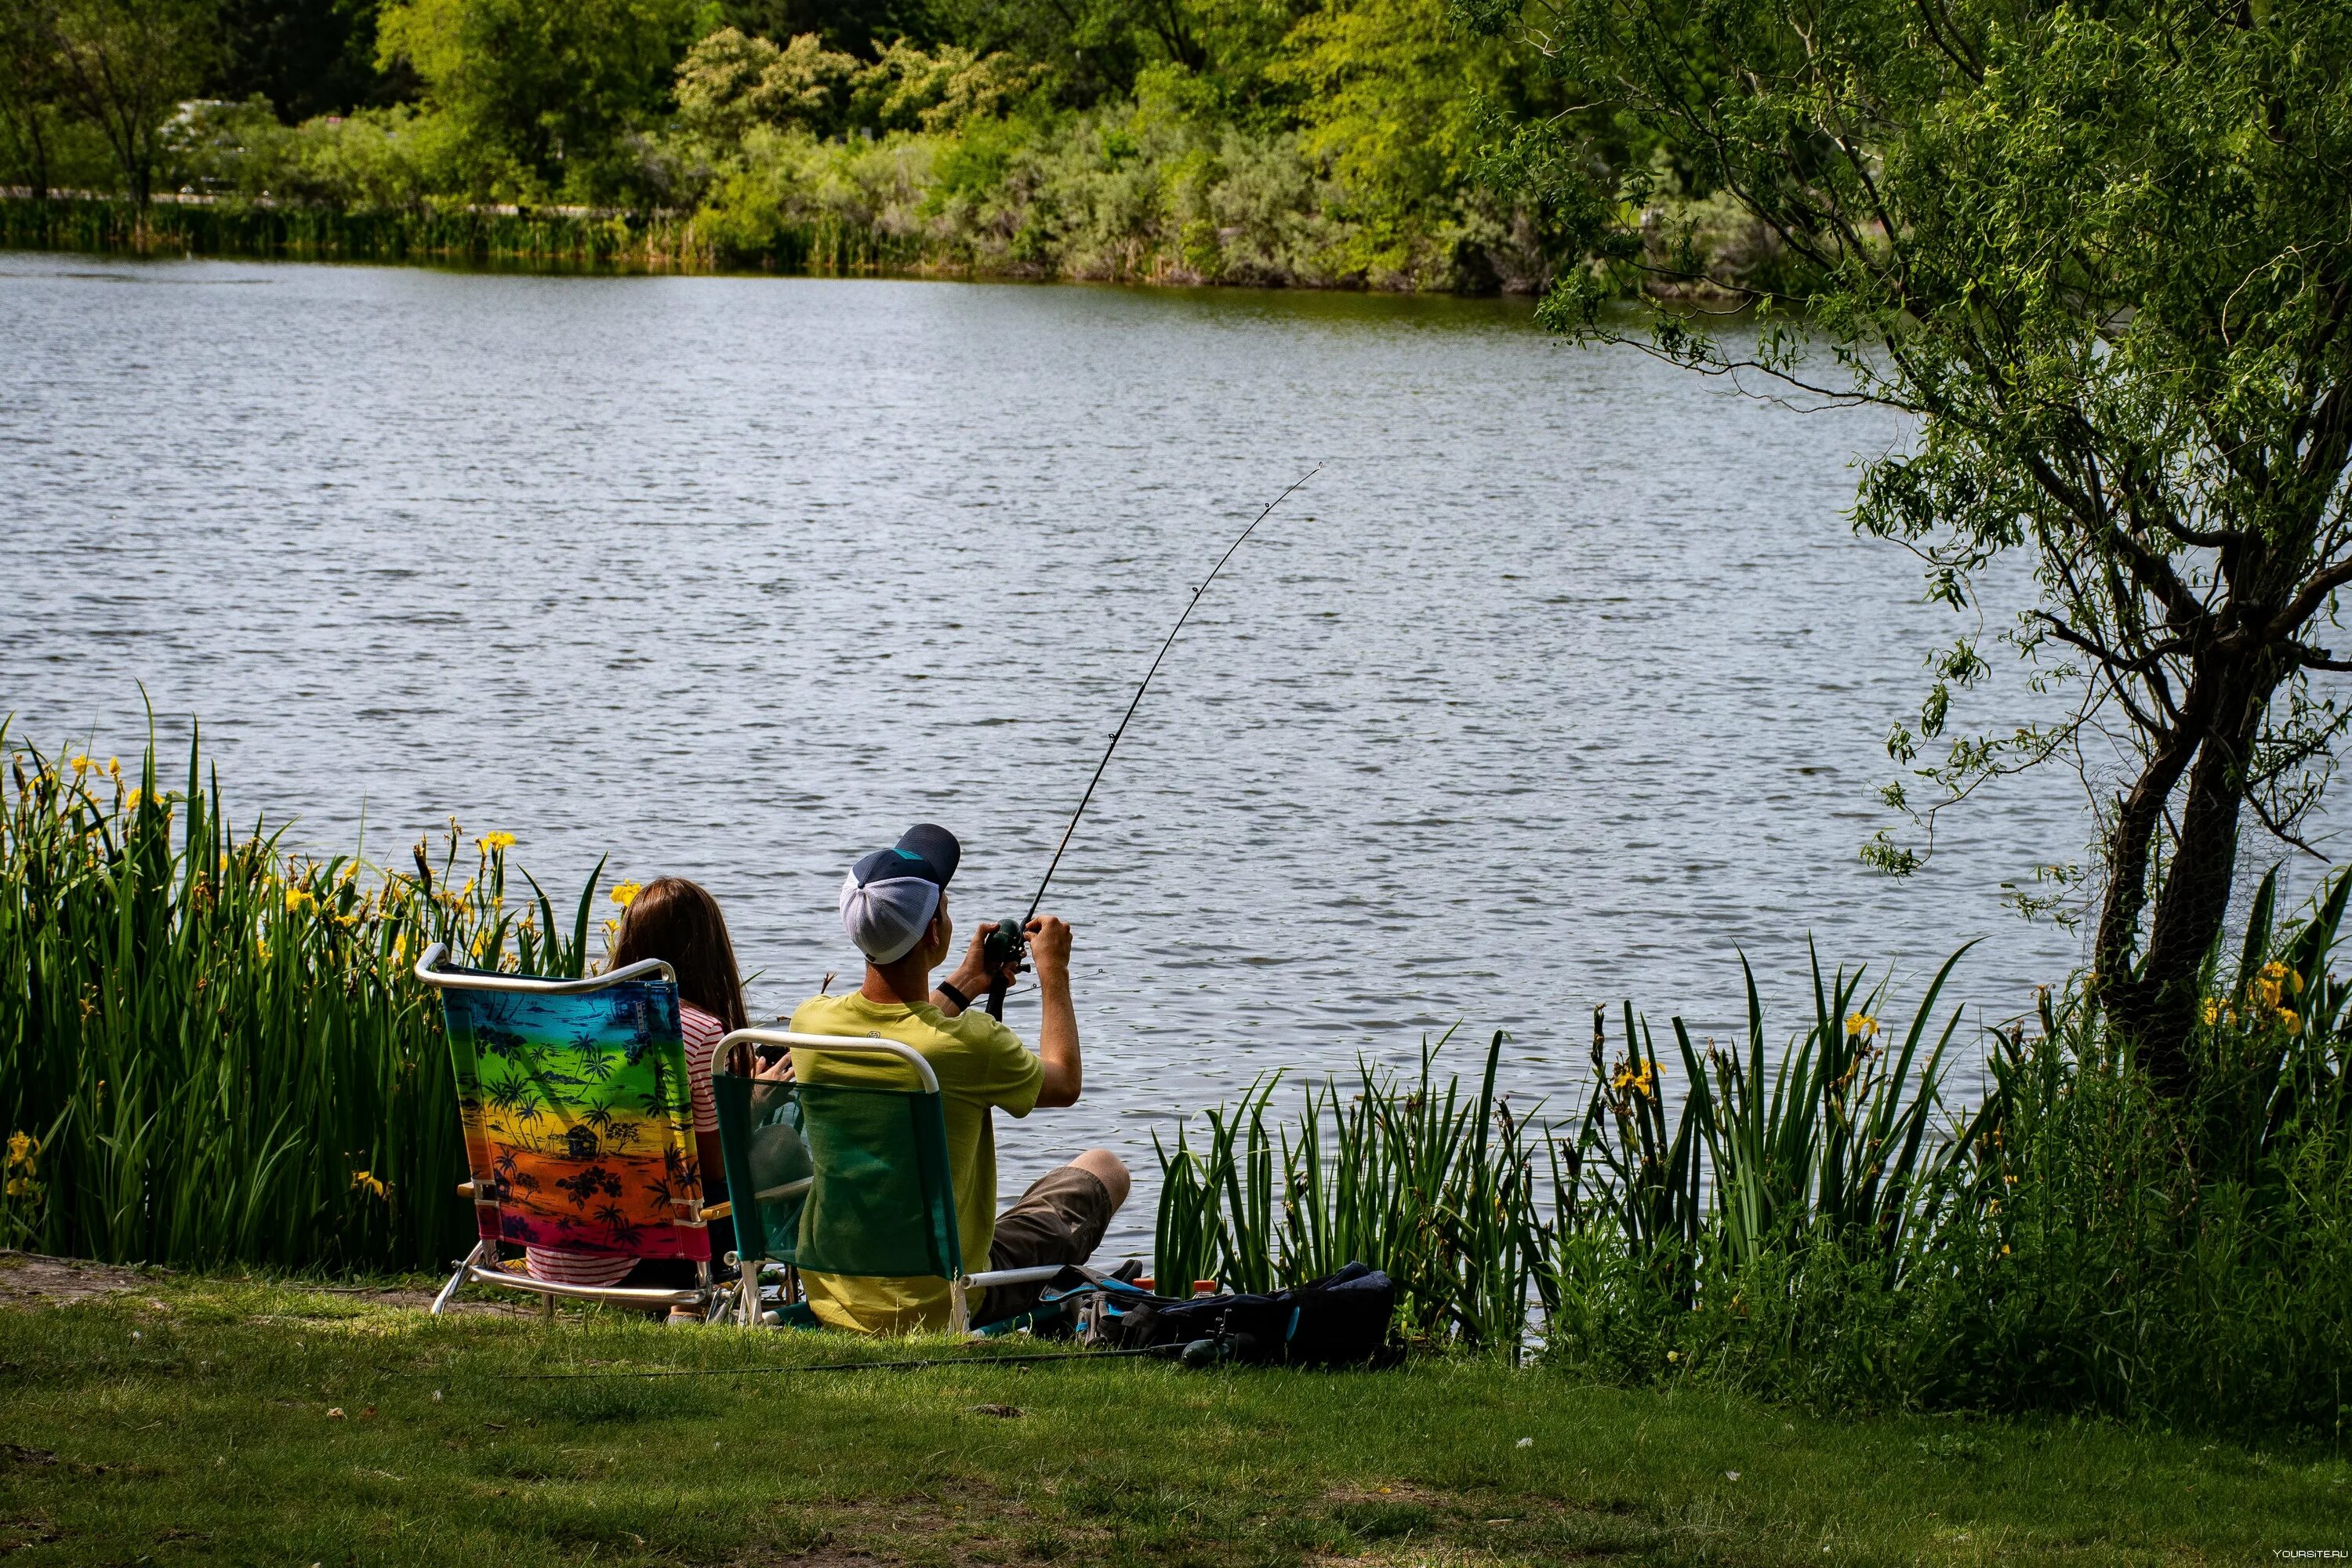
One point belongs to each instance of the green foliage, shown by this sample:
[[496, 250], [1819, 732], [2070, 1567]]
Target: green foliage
[[949, 160], [44, 148], [210, 1052], [1394, 93], [540, 92], [1147, 192], [537, 239], [730, 85], [2053, 1251], [1837, 1146], [373, 159], [859, 26], [306, 57], [1098, 49], [376, 158]]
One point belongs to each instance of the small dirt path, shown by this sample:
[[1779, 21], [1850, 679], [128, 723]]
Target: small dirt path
[[34, 1278]]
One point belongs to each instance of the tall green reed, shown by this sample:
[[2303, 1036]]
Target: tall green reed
[[1836, 1136], [211, 1050], [1499, 1224], [1438, 1187]]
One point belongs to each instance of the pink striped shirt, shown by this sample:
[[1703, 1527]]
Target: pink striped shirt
[[561, 1266]]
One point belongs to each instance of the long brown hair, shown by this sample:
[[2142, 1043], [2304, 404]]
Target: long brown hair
[[676, 921]]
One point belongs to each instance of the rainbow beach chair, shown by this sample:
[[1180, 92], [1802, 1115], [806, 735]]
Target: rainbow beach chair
[[579, 1132]]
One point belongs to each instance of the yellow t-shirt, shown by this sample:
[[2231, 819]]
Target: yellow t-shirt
[[980, 1064]]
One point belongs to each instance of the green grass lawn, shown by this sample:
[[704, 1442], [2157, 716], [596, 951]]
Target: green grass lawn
[[196, 1420]]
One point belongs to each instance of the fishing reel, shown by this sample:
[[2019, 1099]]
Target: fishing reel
[[1004, 943]]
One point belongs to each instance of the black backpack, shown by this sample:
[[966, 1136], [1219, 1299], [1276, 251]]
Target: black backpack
[[1340, 1319]]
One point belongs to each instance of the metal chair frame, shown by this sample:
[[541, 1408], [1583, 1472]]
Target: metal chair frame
[[747, 1305], [480, 1266]]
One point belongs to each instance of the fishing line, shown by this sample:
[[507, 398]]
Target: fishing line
[[1146, 686], [1009, 936], [1163, 1351]]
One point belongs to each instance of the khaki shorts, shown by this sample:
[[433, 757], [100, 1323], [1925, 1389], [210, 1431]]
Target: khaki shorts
[[1060, 1219]]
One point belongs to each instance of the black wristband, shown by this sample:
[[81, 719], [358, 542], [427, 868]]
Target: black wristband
[[948, 990]]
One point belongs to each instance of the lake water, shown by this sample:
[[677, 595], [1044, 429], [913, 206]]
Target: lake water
[[1563, 681]]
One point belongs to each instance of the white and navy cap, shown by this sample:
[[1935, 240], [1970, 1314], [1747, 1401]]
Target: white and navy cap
[[888, 898]]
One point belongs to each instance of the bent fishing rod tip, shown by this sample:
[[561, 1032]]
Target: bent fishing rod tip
[[1143, 686]]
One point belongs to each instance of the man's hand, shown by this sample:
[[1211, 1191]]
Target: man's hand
[[973, 976], [1049, 949]]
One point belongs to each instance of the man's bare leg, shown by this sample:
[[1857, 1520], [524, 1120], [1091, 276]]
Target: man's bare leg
[[1109, 1169]]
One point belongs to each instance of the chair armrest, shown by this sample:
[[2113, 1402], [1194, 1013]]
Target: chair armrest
[[464, 1189], [718, 1211], [429, 968], [1015, 1276], [838, 1044]]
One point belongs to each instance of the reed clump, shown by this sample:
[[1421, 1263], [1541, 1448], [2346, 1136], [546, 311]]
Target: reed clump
[[1438, 1187], [1828, 1229], [212, 1051]]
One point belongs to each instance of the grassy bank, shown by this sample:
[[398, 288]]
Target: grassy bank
[[193, 1420]]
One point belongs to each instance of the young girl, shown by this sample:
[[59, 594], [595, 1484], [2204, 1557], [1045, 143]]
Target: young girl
[[675, 920]]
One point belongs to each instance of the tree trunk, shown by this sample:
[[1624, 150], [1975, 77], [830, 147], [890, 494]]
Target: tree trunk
[[40, 138], [2155, 1003], [2131, 853]]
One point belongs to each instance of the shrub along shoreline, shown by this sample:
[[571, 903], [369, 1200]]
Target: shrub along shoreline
[[212, 1053], [796, 158], [763, 237], [533, 238]]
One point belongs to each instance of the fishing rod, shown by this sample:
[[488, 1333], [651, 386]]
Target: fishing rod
[[1007, 938]]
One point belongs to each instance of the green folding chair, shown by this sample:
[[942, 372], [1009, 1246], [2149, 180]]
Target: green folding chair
[[836, 1179]]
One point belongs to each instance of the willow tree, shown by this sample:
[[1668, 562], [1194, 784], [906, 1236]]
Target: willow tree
[[2103, 255]]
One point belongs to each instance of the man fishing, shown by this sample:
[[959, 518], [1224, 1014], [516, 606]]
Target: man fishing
[[894, 903]]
